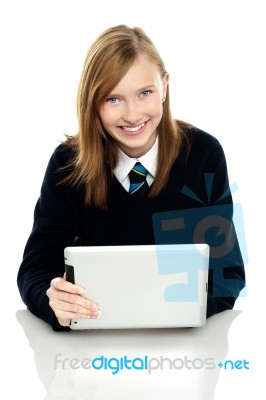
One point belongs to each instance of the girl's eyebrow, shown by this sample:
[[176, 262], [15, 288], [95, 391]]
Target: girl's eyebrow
[[138, 90]]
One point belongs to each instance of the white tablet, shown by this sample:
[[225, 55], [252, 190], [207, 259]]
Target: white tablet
[[149, 286]]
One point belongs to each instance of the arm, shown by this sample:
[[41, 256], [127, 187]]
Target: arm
[[227, 275], [56, 226]]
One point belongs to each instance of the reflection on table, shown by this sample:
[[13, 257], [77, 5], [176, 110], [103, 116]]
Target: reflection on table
[[128, 364]]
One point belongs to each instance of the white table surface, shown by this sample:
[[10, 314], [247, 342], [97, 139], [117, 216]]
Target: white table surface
[[31, 346]]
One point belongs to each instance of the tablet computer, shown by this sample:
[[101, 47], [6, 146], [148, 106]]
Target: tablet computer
[[147, 286]]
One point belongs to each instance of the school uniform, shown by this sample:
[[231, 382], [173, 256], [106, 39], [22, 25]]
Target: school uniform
[[62, 219]]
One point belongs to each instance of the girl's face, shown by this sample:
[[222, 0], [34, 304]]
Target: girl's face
[[133, 110]]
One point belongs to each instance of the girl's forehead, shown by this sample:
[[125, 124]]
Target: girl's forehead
[[142, 73]]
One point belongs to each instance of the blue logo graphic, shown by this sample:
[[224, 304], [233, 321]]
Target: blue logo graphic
[[182, 258], [220, 226], [238, 364]]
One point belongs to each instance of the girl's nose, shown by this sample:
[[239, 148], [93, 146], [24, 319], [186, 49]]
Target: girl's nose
[[132, 114]]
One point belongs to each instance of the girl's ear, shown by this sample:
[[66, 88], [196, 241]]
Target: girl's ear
[[165, 83]]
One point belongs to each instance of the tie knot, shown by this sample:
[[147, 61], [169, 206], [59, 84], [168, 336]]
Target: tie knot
[[137, 177]]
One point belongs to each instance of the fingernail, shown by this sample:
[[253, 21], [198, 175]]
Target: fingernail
[[94, 307], [96, 314]]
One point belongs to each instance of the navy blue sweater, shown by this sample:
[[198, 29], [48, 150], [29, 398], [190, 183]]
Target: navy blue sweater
[[61, 218]]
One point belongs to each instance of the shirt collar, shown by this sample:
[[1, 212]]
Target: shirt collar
[[125, 163]]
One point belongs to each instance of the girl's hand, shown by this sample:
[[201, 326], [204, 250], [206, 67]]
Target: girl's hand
[[68, 302]]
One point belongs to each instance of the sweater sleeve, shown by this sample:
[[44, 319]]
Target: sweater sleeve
[[55, 227], [226, 274]]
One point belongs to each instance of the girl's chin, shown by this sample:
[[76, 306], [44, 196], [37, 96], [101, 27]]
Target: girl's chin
[[136, 148]]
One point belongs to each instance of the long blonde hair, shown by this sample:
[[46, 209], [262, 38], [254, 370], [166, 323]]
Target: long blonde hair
[[95, 151]]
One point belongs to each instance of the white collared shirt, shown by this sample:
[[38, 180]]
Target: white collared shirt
[[125, 165]]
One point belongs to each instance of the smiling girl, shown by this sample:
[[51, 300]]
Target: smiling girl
[[87, 198]]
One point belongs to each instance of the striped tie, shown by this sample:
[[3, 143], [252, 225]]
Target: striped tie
[[138, 183]]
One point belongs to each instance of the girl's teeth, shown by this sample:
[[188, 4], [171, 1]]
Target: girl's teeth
[[135, 129]]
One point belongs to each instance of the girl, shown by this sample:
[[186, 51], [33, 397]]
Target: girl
[[89, 195]]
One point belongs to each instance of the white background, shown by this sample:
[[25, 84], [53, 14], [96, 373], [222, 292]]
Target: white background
[[214, 51]]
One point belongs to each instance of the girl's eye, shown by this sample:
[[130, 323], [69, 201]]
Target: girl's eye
[[111, 100], [145, 93]]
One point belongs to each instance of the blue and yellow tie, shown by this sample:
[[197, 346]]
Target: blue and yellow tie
[[138, 183]]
